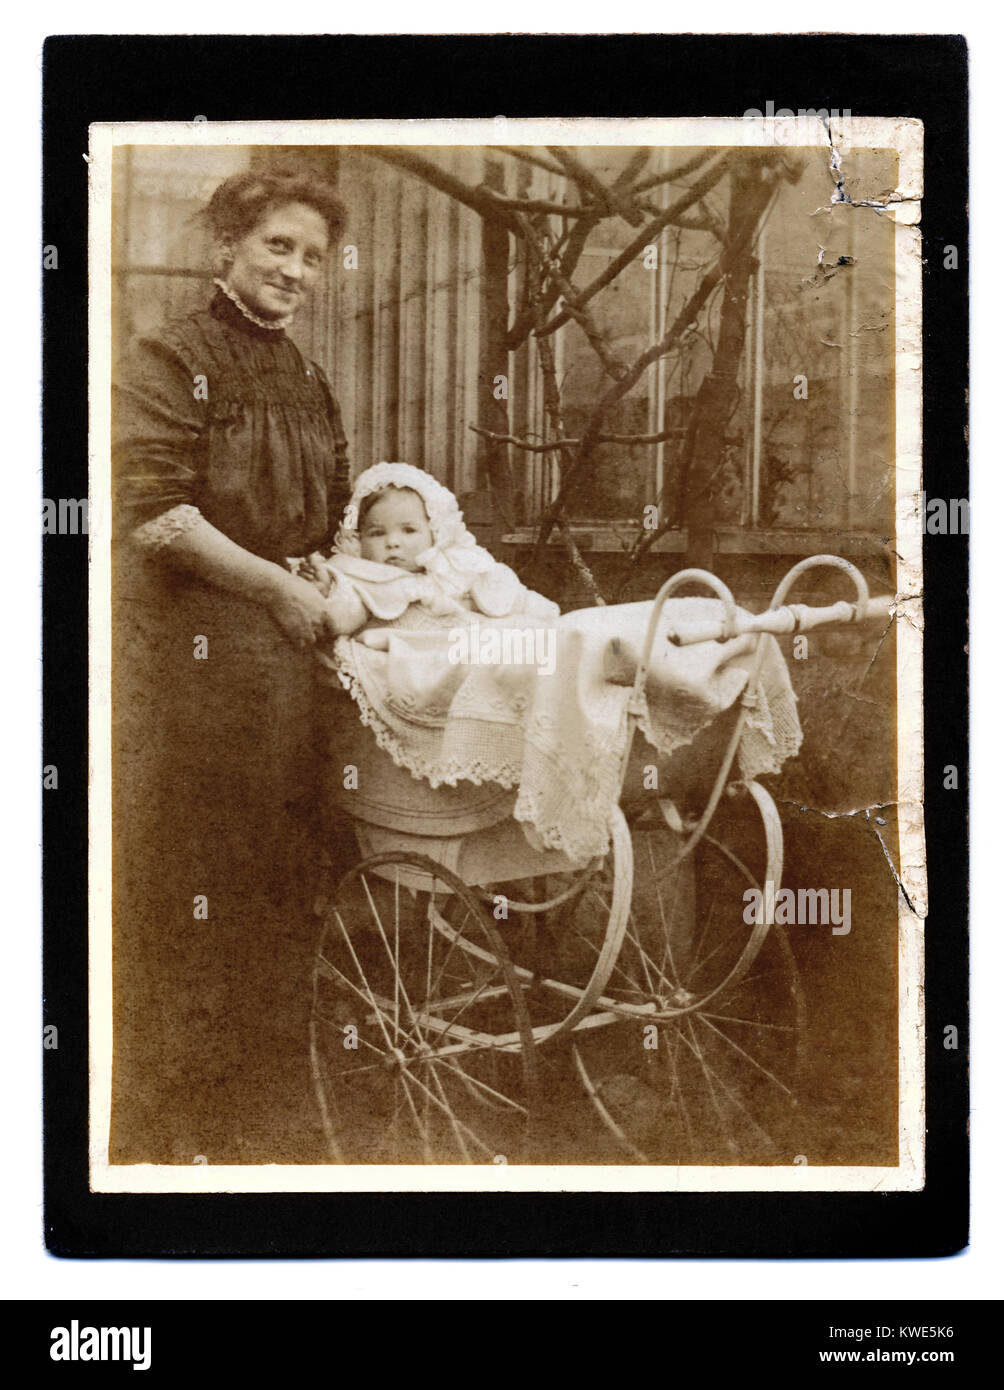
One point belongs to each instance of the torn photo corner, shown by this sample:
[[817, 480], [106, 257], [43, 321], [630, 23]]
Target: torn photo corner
[[602, 868]]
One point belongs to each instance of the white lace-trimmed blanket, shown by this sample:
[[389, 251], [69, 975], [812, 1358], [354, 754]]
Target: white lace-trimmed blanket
[[542, 706]]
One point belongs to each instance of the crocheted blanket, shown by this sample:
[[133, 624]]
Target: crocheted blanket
[[542, 706]]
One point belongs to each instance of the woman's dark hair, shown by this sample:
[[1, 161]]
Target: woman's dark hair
[[240, 202]]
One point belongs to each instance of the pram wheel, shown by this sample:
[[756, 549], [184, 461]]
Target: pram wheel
[[706, 1069], [420, 1038]]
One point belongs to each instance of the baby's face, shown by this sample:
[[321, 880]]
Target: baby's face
[[396, 529]]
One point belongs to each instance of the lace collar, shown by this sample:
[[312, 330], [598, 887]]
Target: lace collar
[[271, 325]]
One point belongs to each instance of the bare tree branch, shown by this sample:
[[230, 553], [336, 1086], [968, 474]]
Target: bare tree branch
[[503, 201], [580, 566], [677, 432], [633, 167], [555, 417], [685, 224], [577, 238], [550, 262], [612, 364], [610, 200], [476, 199], [577, 171], [709, 221], [532, 446], [672, 175], [552, 391], [550, 165], [646, 235], [643, 543], [619, 389]]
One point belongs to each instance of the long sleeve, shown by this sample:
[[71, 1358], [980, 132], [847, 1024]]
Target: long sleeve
[[159, 427]]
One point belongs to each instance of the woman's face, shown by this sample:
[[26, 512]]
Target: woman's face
[[279, 260]]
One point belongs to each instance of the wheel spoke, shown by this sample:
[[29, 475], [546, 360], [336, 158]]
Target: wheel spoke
[[452, 1118], [361, 1070], [376, 1003], [751, 979], [362, 975], [365, 995], [469, 1080], [430, 940], [602, 1110], [751, 1022], [677, 1086], [744, 1109], [453, 937], [668, 952], [397, 945], [422, 1129], [713, 1076], [692, 970], [406, 1071], [464, 1080], [743, 1053], [727, 941], [645, 958], [445, 1070], [399, 987], [667, 985], [694, 1046], [486, 983], [331, 1023], [633, 983]]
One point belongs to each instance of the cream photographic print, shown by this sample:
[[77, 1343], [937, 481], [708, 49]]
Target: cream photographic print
[[506, 704]]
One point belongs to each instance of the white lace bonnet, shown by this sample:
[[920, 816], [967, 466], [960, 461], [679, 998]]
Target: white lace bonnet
[[454, 556]]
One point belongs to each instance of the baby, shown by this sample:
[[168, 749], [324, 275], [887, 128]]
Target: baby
[[477, 705], [404, 558]]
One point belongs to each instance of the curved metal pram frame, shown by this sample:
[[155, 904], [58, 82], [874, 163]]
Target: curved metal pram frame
[[449, 968]]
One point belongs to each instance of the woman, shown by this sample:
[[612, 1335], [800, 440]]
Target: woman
[[229, 457]]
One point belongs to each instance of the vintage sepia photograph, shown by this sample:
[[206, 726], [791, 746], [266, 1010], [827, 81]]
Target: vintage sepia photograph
[[506, 715]]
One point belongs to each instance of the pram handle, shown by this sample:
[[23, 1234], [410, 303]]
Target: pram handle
[[794, 617], [728, 627]]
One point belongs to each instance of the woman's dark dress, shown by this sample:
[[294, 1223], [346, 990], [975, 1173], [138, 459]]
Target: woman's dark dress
[[215, 761]]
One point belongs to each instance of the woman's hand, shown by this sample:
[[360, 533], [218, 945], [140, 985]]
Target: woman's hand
[[299, 609]]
